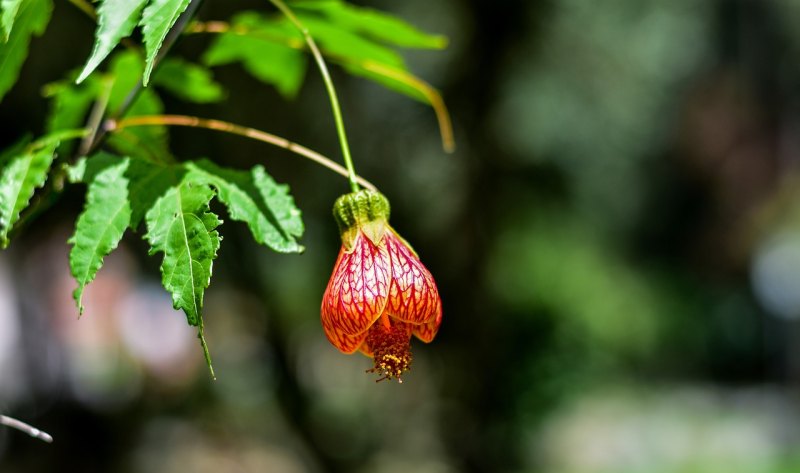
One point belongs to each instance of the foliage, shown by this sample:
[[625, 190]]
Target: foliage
[[130, 173]]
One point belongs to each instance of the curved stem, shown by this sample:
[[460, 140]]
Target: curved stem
[[326, 77], [232, 128]]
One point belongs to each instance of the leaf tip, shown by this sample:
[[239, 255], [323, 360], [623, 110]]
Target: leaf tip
[[88, 69], [78, 296]]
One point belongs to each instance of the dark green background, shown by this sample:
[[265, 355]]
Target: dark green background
[[625, 178]]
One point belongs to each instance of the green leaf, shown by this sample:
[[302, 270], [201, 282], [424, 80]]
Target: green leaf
[[280, 202], [254, 198], [116, 19], [373, 23], [148, 183], [23, 174], [181, 226], [263, 52], [188, 81], [31, 20], [157, 19], [105, 217], [343, 43], [149, 142], [385, 79], [271, 49], [9, 9], [69, 104]]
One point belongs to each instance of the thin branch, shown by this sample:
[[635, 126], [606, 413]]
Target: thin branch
[[96, 117], [227, 127], [28, 429]]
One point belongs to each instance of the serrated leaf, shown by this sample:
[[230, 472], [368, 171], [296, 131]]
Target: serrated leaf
[[157, 19], [31, 19], [9, 9], [188, 81], [181, 226], [101, 225], [263, 52], [23, 174], [373, 23], [254, 198], [116, 19], [279, 201]]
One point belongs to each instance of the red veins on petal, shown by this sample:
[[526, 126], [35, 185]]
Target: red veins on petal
[[413, 296], [357, 291], [427, 331], [344, 342]]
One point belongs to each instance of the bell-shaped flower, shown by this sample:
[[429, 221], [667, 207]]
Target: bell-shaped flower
[[379, 293]]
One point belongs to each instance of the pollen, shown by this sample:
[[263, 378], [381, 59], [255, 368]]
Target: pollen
[[391, 350]]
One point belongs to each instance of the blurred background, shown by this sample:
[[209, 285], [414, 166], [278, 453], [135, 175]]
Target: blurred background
[[616, 240]]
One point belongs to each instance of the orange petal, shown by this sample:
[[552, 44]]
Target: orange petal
[[345, 342], [427, 331], [357, 291], [413, 296]]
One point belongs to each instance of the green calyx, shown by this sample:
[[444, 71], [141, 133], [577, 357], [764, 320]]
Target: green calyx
[[366, 211]]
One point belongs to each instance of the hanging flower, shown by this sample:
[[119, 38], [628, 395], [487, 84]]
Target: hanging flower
[[379, 293]]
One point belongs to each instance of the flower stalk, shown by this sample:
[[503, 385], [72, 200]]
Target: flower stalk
[[326, 77]]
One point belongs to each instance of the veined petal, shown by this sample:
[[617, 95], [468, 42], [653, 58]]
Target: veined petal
[[413, 296], [357, 291], [345, 342], [427, 331]]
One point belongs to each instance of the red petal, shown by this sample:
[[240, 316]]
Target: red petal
[[426, 332], [357, 291], [413, 296], [346, 343]]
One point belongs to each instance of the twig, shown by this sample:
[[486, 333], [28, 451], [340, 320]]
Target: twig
[[28, 429], [227, 127], [96, 117]]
